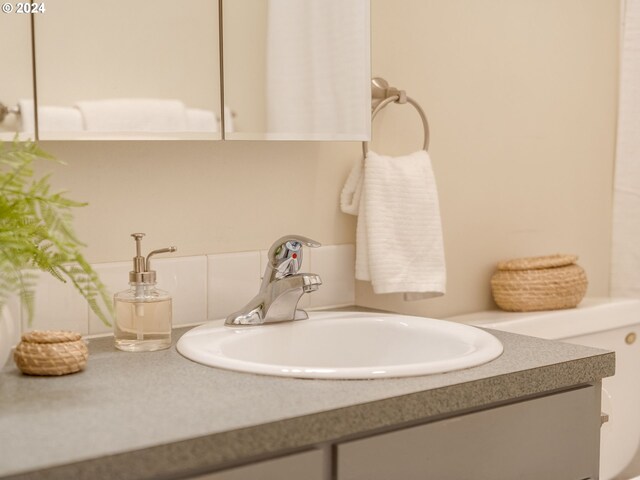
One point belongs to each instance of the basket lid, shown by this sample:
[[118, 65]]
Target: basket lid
[[50, 336], [537, 263]]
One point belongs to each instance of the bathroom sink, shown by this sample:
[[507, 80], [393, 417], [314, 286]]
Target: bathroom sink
[[342, 345]]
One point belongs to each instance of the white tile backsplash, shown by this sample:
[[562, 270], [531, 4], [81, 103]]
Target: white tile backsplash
[[185, 278], [234, 279], [336, 266], [202, 287]]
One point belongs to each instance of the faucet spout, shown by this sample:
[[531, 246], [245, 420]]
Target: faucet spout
[[282, 286], [286, 294], [278, 302]]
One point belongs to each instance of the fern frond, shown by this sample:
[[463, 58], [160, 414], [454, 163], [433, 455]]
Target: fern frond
[[36, 233]]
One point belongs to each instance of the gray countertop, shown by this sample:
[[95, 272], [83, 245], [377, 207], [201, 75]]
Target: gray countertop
[[158, 415]]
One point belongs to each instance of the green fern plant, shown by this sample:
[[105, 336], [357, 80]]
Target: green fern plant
[[36, 234]]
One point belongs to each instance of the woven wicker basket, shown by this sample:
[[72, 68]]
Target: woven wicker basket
[[51, 353], [529, 284]]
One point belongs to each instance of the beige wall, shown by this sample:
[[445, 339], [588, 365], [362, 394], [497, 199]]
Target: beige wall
[[521, 98], [204, 197]]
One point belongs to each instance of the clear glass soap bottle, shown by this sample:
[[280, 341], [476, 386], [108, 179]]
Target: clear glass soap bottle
[[143, 312]]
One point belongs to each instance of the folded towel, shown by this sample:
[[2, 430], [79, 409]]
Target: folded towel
[[59, 119], [50, 118], [199, 120], [134, 115], [399, 246], [27, 115]]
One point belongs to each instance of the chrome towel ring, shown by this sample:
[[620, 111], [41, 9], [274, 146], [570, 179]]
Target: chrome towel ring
[[382, 95], [4, 111]]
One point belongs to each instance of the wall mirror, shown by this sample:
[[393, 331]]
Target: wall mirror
[[122, 69], [17, 78], [150, 69], [297, 70]]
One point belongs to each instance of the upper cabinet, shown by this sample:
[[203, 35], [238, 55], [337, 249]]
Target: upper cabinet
[[297, 70], [123, 69], [17, 77], [157, 69]]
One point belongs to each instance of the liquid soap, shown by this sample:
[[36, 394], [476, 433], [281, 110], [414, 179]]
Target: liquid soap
[[143, 312]]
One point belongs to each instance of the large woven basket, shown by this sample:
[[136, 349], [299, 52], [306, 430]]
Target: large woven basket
[[529, 284], [51, 353]]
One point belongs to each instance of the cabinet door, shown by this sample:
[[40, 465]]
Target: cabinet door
[[554, 437], [119, 69], [301, 466]]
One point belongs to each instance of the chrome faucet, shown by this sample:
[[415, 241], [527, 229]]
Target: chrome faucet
[[282, 285]]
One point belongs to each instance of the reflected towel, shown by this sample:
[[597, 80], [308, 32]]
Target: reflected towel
[[50, 118], [399, 245], [199, 120], [133, 115], [59, 119], [317, 63], [27, 116]]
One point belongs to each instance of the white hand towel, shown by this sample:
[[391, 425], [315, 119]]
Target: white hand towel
[[399, 246], [134, 115]]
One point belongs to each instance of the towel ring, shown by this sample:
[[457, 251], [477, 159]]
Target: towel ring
[[401, 98], [4, 111]]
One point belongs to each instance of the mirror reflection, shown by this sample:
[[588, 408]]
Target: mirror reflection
[[297, 70], [17, 78], [123, 69]]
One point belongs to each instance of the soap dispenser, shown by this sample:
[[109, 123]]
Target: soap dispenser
[[143, 312]]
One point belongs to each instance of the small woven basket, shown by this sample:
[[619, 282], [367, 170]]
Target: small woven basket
[[51, 353], [529, 284]]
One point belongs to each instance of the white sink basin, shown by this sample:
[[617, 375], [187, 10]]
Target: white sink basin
[[347, 345]]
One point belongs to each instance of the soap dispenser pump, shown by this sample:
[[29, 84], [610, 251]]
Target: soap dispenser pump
[[143, 312]]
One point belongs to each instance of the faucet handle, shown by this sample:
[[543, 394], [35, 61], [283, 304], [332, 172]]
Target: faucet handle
[[285, 255]]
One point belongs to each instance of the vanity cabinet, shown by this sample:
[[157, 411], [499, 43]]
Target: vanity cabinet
[[534, 412], [302, 466], [556, 437]]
